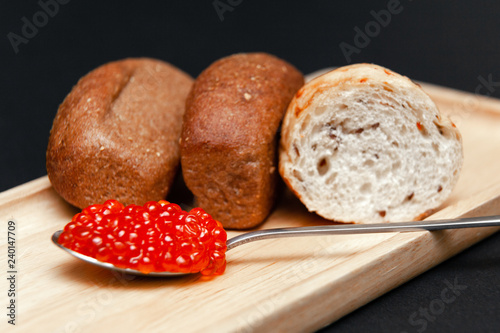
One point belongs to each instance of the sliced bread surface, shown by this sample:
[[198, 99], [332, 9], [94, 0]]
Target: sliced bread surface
[[364, 144]]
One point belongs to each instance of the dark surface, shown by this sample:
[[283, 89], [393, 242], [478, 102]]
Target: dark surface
[[450, 43]]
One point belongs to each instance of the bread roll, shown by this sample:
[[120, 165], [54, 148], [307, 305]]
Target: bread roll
[[116, 135], [363, 144], [229, 136]]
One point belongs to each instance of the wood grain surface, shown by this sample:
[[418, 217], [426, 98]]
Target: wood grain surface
[[287, 285]]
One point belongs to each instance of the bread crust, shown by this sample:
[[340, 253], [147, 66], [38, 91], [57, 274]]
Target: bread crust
[[341, 82], [115, 136], [229, 136]]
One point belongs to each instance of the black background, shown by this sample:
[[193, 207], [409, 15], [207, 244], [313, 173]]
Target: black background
[[450, 43]]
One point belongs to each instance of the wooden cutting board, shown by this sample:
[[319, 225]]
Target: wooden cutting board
[[289, 285]]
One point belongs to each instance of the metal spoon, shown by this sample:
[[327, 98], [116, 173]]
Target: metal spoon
[[485, 221]]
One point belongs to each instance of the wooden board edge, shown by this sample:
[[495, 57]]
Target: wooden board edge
[[24, 191], [462, 102], [427, 244], [334, 298], [305, 302], [398, 276]]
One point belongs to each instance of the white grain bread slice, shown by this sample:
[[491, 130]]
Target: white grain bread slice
[[364, 144]]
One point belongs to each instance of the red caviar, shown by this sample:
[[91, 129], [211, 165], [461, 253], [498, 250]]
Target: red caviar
[[156, 237]]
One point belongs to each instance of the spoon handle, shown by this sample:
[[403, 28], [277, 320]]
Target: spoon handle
[[473, 222]]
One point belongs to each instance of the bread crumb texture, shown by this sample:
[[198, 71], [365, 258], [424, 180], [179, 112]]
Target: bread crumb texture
[[364, 144]]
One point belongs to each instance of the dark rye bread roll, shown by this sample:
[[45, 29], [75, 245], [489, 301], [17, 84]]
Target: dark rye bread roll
[[364, 144], [116, 135], [229, 136]]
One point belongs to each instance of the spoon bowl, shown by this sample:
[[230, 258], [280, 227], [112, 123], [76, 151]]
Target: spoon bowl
[[107, 265], [474, 222]]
